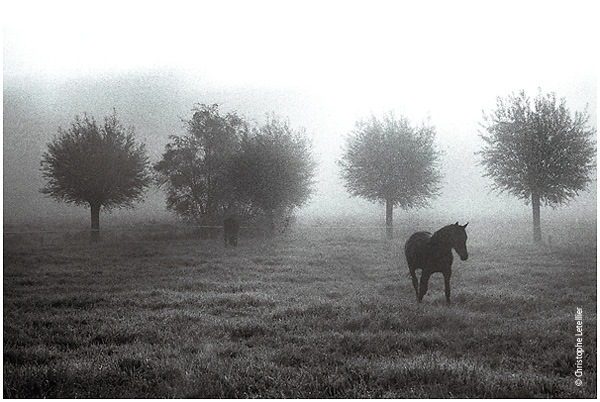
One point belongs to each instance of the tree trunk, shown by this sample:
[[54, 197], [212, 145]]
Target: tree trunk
[[95, 210], [537, 227], [389, 213]]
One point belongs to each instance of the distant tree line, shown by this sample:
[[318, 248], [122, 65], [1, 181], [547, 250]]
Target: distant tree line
[[535, 150], [222, 165]]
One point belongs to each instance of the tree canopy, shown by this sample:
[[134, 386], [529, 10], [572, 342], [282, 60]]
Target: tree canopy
[[222, 166], [97, 165], [388, 160], [537, 150], [194, 167], [274, 169]]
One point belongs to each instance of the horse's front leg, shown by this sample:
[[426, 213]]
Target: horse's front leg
[[447, 275]]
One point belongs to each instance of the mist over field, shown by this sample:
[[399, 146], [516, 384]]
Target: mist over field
[[49, 78], [155, 104]]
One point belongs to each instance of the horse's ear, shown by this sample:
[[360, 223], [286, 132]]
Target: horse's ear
[[456, 224], [465, 225]]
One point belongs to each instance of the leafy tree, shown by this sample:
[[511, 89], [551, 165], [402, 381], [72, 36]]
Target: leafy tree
[[274, 169], [194, 167], [537, 151], [97, 165], [388, 160]]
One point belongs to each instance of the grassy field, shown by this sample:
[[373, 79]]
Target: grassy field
[[315, 314]]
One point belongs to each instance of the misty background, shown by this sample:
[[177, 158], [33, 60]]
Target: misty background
[[322, 65]]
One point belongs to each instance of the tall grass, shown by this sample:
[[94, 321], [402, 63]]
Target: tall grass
[[316, 314]]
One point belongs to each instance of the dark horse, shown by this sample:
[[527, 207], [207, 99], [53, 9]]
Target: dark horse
[[231, 227], [433, 253]]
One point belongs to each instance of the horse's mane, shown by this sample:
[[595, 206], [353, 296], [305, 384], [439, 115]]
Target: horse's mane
[[443, 235]]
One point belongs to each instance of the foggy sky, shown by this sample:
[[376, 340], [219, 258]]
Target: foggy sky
[[321, 66]]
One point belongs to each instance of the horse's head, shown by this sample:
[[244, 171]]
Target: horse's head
[[452, 236], [459, 240]]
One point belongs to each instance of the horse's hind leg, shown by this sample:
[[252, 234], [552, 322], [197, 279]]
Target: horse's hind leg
[[447, 283], [423, 285], [415, 281]]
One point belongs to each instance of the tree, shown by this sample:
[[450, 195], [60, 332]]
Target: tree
[[194, 167], [537, 151], [97, 165], [391, 161], [274, 169]]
